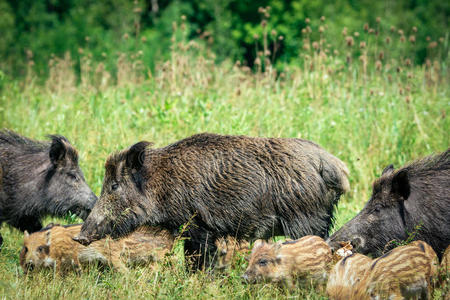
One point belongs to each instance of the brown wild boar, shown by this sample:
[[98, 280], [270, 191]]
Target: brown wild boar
[[53, 247], [404, 272], [306, 260], [444, 272], [227, 249], [246, 187], [345, 274], [414, 198]]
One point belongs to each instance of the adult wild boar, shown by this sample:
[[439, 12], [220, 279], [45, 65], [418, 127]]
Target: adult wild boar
[[414, 196], [39, 178], [223, 185]]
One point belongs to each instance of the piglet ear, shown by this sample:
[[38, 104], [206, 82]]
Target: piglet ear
[[26, 234], [58, 148], [48, 237], [388, 169], [258, 243], [400, 184], [136, 155]]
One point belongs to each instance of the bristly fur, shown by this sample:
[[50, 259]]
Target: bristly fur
[[412, 202], [39, 178], [224, 185]]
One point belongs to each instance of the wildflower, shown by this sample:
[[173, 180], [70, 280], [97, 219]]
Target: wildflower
[[280, 38], [307, 20], [402, 38], [356, 34], [344, 31], [388, 40], [321, 29], [414, 29], [263, 23], [412, 39], [392, 28], [408, 62], [400, 32], [322, 18], [315, 45], [362, 45], [273, 32], [366, 27], [381, 55], [378, 19]]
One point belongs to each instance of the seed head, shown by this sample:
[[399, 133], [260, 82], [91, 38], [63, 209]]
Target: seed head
[[400, 32], [349, 40], [183, 17], [378, 20], [414, 29], [322, 18], [321, 29], [362, 45], [412, 39], [378, 65], [388, 40], [263, 23], [366, 27], [306, 46], [381, 55], [441, 40], [356, 34], [428, 38], [280, 37], [307, 20], [273, 32], [344, 31], [392, 28], [408, 62], [125, 36], [143, 39], [309, 29], [315, 45], [261, 10], [371, 31], [432, 45], [304, 31], [402, 38], [255, 36]]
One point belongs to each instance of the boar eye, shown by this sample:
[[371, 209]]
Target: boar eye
[[262, 262], [114, 186], [72, 176], [40, 249]]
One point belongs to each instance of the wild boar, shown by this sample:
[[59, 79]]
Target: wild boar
[[240, 186], [39, 178], [444, 272], [414, 196], [345, 274], [227, 249], [405, 272], [54, 247], [306, 260]]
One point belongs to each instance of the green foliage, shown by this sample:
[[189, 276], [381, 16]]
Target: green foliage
[[34, 30]]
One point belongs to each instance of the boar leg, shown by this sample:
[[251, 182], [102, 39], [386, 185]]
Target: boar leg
[[199, 249], [28, 223]]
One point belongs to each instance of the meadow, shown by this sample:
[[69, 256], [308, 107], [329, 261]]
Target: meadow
[[369, 110]]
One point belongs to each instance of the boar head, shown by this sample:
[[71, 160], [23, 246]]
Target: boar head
[[382, 220], [65, 187], [123, 204]]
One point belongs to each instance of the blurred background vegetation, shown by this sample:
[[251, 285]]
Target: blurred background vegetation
[[34, 32]]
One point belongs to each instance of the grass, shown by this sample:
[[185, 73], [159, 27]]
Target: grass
[[367, 116]]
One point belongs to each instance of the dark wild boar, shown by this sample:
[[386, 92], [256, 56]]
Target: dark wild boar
[[240, 186], [417, 195], [39, 178]]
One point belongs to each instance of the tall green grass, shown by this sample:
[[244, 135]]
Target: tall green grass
[[368, 116]]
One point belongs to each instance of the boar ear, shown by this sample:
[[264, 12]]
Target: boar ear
[[400, 184], [57, 148], [136, 155], [388, 169]]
